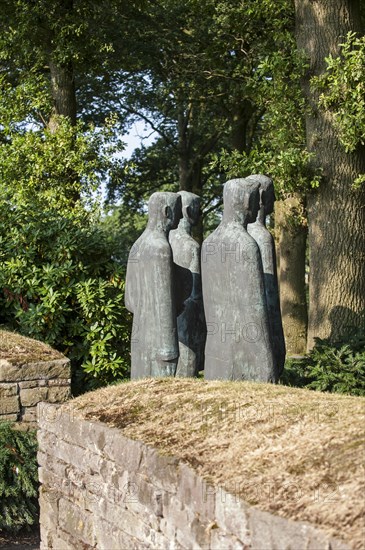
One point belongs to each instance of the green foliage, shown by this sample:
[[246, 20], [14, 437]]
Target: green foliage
[[336, 368], [18, 478], [60, 285], [149, 169], [221, 88], [58, 279], [123, 226], [342, 91], [289, 167], [93, 38], [278, 144]]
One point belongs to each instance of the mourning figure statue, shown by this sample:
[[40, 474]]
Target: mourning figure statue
[[191, 322], [266, 245], [238, 345], [150, 292]]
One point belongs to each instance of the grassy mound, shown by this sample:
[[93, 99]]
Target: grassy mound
[[293, 452], [17, 349]]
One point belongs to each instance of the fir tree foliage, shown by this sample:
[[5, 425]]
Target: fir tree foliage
[[18, 478], [329, 367]]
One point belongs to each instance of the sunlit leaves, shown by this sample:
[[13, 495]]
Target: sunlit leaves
[[342, 91]]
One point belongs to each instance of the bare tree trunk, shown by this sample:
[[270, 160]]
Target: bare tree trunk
[[63, 93], [240, 138], [183, 152], [336, 212], [62, 78], [291, 239]]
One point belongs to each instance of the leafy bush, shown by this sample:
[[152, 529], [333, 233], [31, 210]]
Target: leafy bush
[[337, 368], [60, 285], [18, 478], [58, 280]]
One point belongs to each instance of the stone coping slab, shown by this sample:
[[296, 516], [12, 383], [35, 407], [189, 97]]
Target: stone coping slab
[[23, 358]]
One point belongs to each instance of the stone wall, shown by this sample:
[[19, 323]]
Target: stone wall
[[24, 381], [102, 490]]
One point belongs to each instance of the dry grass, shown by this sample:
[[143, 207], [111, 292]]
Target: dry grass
[[292, 452], [17, 349]]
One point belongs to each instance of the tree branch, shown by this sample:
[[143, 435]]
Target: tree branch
[[155, 128]]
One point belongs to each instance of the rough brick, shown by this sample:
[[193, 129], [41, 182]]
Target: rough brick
[[46, 442], [8, 390], [9, 405], [140, 490], [196, 493], [29, 397], [219, 540], [59, 419], [57, 541], [107, 535], [29, 414], [58, 382], [168, 528], [194, 535], [31, 384], [77, 522], [276, 533], [58, 393], [63, 419], [231, 515], [183, 523], [161, 470], [9, 417], [102, 490], [124, 452], [83, 459], [49, 515]]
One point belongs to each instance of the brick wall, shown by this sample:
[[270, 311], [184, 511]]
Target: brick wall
[[102, 490]]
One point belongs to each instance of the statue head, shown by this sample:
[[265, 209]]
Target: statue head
[[267, 193], [190, 207], [164, 211], [241, 200]]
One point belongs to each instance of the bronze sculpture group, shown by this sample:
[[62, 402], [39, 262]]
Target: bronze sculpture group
[[216, 308]]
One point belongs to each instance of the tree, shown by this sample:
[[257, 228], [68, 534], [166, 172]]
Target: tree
[[172, 94], [225, 77], [336, 210], [18, 478], [58, 278], [278, 149], [291, 240]]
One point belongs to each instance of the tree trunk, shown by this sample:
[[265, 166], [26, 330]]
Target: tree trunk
[[291, 239], [62, 76], [183, 151], [63, 93], [241, 134], [336, 212]]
